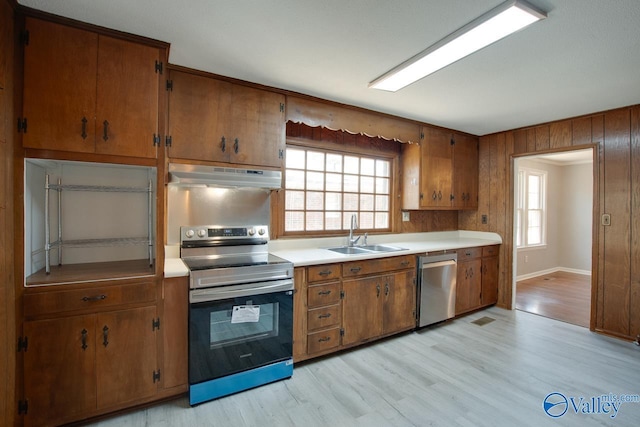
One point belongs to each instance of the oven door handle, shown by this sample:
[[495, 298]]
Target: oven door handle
[[235, 291]]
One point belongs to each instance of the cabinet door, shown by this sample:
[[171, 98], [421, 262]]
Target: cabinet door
[[489, 280], [362, 309], [436, 169], [468, 285], [60, 65], [199, 116], [465, 172], [59, 369], [399, 302], [126, 356], [175, 331], [127, 98], [259, 127]]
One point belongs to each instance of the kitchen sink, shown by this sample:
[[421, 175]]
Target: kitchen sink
[[354, 250]]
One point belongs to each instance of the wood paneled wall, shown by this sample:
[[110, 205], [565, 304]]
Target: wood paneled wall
[[7, 307], [616, 262]]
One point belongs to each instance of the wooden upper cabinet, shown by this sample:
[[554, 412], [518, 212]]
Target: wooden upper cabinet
[[214, 120], [441, 173], [76, 80]]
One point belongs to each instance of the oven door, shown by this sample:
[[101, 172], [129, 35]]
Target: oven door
[[239, 327]]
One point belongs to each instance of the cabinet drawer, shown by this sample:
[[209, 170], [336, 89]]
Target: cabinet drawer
[[322, 273], [490, 250], [37, 304], [323, 340], [320, 295], [358, 268], [323, 317], [469, 253]]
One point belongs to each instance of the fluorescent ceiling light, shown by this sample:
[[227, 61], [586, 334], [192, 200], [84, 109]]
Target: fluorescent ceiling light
[[505, 19]]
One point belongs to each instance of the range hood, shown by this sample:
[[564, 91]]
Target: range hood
[[214, 176]]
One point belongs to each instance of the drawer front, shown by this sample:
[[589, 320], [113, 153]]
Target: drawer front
[[323, 340], [490, 250], [469, 253], [320, 295], [380, 265], [322, 273], [323, 317], [37, 304]]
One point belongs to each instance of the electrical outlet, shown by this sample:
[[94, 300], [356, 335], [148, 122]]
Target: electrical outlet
[[405, 216], [606, 219], [484, 219]]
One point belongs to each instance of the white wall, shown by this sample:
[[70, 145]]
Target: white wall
[[569, 217]]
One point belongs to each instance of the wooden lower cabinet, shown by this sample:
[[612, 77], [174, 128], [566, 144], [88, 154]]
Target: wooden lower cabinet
[[477, 281], [341, 305], [175, 326], [75, 366]]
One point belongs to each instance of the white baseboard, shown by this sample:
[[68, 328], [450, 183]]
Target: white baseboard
[[552, 270]]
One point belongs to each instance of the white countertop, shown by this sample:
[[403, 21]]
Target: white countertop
[[303, 252]]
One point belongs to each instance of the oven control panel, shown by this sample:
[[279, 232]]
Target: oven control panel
[[211, 232]]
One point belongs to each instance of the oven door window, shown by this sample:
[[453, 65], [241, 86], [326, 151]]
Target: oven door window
[[237, 334]]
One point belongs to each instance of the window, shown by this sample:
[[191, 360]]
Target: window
[[531, 208], [324, 188]]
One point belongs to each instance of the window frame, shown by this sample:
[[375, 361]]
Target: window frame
[[522, 210], [392, 160]]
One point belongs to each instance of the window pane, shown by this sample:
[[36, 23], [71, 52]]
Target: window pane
[[315, 200], [382, 185], [295, 180], [332, 220], [295, 159], [334, 163], [366, 184], [382, 168], [294, 221], [351, 202], [382, 220], [351, 183], [351, 164], [534, 192], [334, 202], [315, 221], [333, 182], [366, 202], [366, 220], [382, 203], [315, 161], [294, 200], [367, 167], [315, 181], [534, 228]]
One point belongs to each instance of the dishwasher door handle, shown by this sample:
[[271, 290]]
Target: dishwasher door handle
[[438, 264]]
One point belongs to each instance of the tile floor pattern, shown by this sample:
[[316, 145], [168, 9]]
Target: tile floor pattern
[[452, 374]]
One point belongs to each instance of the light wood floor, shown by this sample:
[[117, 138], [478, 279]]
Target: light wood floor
[[453, 374], [561, 295]]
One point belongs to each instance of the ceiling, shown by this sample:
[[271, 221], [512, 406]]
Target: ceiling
[[584, 58]]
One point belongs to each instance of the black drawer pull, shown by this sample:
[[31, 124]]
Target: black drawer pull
[[355, 269], [105, 130], [105, 336], [83, 134], [325, 272], [324, 316], [325, 339], [223, 144], [467, 253], [84, 339], [96, 298], [405, 262], [324, 292]]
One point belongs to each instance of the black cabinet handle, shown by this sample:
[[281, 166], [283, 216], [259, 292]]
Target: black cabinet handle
[[236, 144], [105, 129], [84, 339], [324, 292], [94, 298], [223, 144], [324, 316], [325, 339], [405, 262], [377, 290], [355, 269], [439, 195], [83, 134], [386, 289], [325, 272], [434, 196], [105, 336]]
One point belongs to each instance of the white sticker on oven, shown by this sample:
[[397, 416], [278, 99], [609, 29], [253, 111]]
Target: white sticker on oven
[[245, 313]]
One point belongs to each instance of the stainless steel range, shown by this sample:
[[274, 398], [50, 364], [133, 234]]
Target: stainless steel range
[[240, 310]]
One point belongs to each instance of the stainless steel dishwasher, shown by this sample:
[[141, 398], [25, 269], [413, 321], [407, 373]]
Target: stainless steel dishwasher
[[437, 288]]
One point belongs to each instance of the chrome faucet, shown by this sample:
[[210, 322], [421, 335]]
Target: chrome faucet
[[354, 226]]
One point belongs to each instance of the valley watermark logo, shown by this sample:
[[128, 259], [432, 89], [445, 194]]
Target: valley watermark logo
[[557, 404]]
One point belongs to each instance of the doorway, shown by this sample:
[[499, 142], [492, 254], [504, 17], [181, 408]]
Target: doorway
[[553, 223]]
